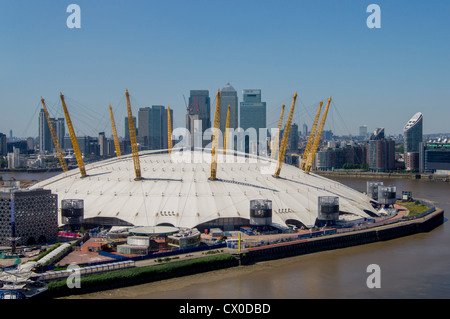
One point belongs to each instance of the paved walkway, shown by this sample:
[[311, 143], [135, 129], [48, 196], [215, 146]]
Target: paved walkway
[[84, 255]]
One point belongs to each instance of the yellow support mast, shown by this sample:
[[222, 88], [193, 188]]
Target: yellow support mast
[[277, 135], [227, 127], [73, 139], [285, 139], [312, 134], [215, 139], [317, 139], [134, 147], [169, 130], [54, 138], [116, 138]]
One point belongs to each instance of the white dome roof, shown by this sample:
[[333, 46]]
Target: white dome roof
[[180, 193]]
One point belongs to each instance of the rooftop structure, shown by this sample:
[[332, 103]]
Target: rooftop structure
[[177, 192]]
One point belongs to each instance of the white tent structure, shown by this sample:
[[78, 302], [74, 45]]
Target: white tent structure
[[176, 191]]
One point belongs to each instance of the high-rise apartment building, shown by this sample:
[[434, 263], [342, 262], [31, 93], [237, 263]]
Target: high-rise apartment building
[[381, 152], [413, 136], [45, 137], [102, 144], [363, 131], [304, 129], [293, 138], [3, 145], [153, 129]]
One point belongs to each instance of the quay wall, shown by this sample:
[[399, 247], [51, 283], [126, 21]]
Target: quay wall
[[343, 240], [378, 175]]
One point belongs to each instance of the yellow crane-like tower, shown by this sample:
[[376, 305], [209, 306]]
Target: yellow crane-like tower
[[312, 134], [116, 138], [317, 139], [227, 127], [285, 138], [169, 130], [215, 141], [73, 139], [276, 138], [55, 138], [134, 147]]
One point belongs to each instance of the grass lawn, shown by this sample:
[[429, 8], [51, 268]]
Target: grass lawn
[[415, 208]]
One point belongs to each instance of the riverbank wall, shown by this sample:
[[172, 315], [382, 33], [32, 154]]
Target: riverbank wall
[[373, 175], [343, 240]]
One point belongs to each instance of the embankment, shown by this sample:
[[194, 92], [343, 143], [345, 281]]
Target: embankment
[[343, 240], [373, 175]]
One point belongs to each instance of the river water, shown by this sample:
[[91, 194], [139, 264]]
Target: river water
[[416, 266]]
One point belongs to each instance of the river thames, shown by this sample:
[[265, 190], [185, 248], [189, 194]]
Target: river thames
[[416, 266]]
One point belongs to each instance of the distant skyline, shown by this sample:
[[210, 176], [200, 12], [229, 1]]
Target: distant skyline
[[160, 50]]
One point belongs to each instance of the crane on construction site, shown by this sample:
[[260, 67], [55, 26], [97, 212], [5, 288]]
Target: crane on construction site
[[190, 108], [116, 138], [215, 141], [73, 139], [134, 147], [187, 107], [285, 138], [277, 135], [58, 149], [311, 138], [169, 130], [227, 127], [315, 146]]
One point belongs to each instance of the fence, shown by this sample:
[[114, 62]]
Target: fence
[[55, 275], [252, 243], [164, 254]]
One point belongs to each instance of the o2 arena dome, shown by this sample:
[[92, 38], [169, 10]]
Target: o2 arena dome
[[178, 192]]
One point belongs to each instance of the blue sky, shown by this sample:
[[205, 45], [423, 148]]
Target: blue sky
[[160, 50]]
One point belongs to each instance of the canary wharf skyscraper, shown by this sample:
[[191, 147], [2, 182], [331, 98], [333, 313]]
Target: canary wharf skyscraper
[[228, 97], [252, 114], [200, 105]]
